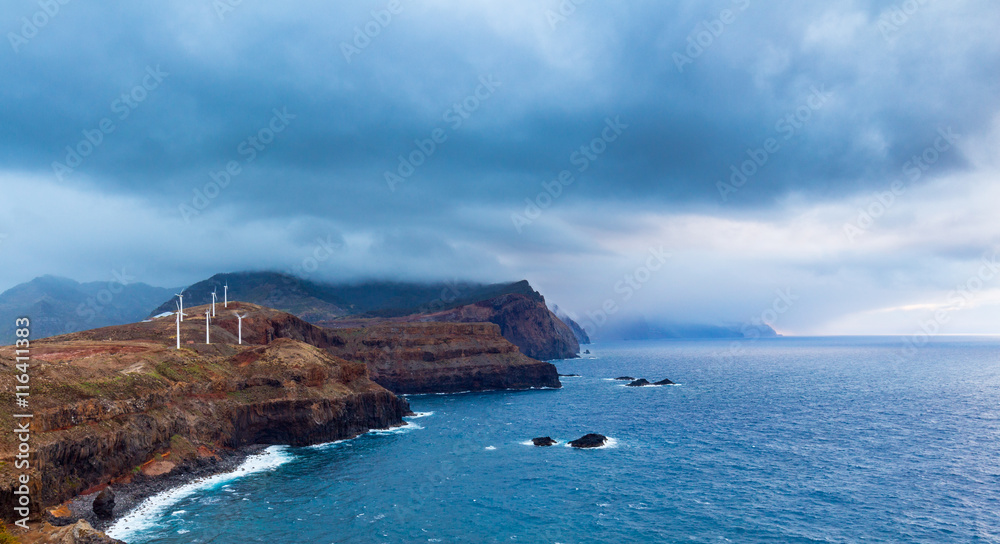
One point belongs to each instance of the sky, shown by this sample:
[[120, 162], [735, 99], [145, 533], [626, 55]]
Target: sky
[[824, 167]]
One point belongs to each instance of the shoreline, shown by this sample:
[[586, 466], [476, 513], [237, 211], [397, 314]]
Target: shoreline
[[131, 496]]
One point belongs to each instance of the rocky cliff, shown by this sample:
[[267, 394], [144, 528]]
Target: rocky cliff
[[410, 357], [107, 403], [442, 358], [523, 320], [518, 309]]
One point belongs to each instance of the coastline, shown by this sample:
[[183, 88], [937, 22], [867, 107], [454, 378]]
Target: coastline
[[129, 496], [133, 496]]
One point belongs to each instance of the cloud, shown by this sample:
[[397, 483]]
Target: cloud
[[362, 86]]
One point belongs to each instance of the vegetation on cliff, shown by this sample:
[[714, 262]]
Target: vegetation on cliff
[[112, 402]]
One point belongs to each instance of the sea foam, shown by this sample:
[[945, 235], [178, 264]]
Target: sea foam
[[148, 513]]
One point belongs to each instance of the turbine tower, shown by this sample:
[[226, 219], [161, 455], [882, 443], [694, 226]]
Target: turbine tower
[[240, 317], [178, 320], [225, 295], [208, 322], [215, 296], [180, 309]]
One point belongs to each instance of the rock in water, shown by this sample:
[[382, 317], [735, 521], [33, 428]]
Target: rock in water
[[592, 440], [569, 375], [625, 378], [664, 382], [104, 504], [638, 383], [543, 441], [586, 352]]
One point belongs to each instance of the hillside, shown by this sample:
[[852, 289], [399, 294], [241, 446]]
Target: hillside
[[516, 308], [112, 402]]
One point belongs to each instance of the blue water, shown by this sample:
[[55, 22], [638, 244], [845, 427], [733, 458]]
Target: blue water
[[783, 440]]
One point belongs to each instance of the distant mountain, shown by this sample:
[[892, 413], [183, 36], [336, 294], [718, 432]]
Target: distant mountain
[[519, 310], [59, 305], [638, 328], [581, 335]]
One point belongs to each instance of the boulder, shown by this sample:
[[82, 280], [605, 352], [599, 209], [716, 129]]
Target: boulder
[[664, 382], [543, 441], [60, 516], [639, 383], [592, 440], [79, 533], [104, 504], [625, 378]]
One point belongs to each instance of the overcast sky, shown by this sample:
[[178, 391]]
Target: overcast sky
[[406, 140]]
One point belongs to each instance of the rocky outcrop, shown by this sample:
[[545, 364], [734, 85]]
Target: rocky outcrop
[[518, 309], [625, 378], [104, 504], [122, 401], [443, 358], [591, 440], [404, 357], [664, 381], [523, 320], [79, 532], [641, 382], [543, 441]]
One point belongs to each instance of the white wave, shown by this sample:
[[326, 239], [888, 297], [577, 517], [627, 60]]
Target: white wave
[[325, 445], [390, 430], [394, 430], [491, 448], [650, 385], [147, 514], [418, 415]]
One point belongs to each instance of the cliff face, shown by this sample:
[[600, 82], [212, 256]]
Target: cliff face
[[516, 307], [523, 320], [104, 408], [443, 358], [408, 357]]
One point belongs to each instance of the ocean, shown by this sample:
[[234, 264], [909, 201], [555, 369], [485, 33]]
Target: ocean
[[789, 440]]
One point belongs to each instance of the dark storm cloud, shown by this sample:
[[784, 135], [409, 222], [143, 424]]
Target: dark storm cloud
[[649, 105], [558, 85]]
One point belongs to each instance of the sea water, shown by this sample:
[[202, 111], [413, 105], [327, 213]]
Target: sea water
[[780, 440]]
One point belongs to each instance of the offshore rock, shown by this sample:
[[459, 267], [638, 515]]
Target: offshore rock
[[592, 440]]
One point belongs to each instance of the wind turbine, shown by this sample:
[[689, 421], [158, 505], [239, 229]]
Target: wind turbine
[[225, 295], [215, 296], [240, 317], [180, 309], [208, 322], [178, 320]]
